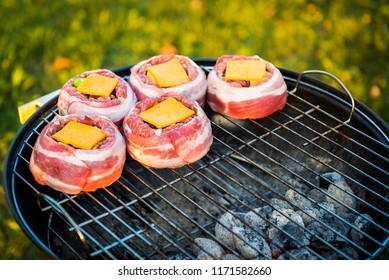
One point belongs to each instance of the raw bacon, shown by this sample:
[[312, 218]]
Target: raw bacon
[[170, 147], [114, 107], [240, 100], [72, 170], [143, 87]]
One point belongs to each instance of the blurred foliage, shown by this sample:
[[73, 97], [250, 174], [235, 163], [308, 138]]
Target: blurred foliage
[[44, 43]]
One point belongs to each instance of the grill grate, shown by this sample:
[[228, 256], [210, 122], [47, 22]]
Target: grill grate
[[158, 214]]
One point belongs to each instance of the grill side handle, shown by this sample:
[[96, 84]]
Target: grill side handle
[[60, 210], [345, 89]]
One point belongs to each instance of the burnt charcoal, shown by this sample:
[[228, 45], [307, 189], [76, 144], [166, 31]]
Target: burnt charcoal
[[282, 217], [326, 179], [327, 207], [309, 215], [259, 219], [338, 191], [223, 229], [305, 208], [296, 182], [342, 253], [298, 200], [280, 204], [330, 231], [317, 195], [302, 226], [207, 249], [336, 223], [290, 237], [298, 254], [348, 217], [251, 245], [340, 194], [365, 226]]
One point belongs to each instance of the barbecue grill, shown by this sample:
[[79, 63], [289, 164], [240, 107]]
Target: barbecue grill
[[324, 149]]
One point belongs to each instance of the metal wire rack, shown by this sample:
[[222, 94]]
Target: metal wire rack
[[158, 213]]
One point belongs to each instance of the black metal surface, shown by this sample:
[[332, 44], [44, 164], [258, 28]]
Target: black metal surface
[[156, 214]]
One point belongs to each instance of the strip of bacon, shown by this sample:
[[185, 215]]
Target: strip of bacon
[[255, 101], [71, 170]]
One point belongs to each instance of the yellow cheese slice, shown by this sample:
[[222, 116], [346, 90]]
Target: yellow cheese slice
[[150, 76], [79, 135], [168, 74], [165, 113], [245, 70], [99, 85]]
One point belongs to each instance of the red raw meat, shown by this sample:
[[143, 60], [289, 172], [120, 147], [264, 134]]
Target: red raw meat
[[194, 90], [114, 107], [240, 102], [71, 170], [171, 147]]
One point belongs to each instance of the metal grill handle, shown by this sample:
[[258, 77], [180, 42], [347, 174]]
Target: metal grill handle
[[342, 86], [60, 210]]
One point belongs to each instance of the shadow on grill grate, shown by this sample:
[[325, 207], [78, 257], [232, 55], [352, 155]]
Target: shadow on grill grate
[[269, 188]]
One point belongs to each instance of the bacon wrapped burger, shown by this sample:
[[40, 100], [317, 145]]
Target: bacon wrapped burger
[[244, 87], [97, 93], [168, 131], [76, 153], [166, 73]]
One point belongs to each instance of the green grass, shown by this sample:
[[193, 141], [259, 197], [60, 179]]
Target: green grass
[[44, 43]]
